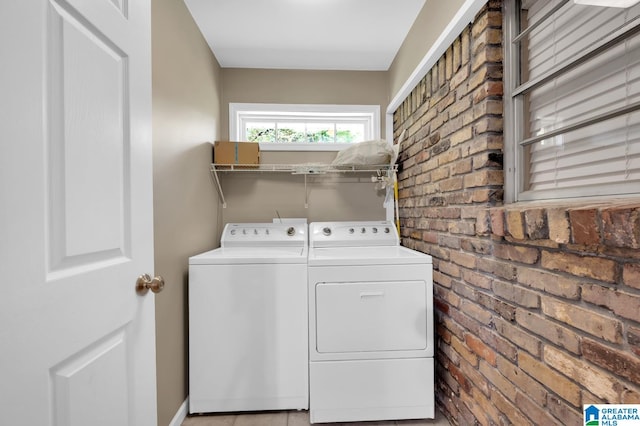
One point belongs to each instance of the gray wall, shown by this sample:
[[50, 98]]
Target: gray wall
[[257, 197], [186, 115], [432, 20]]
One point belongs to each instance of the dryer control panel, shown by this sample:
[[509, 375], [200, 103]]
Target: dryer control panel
[[264, 234], [352, 234]]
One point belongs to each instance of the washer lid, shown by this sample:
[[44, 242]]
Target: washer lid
[[250, 255], [347, 256]]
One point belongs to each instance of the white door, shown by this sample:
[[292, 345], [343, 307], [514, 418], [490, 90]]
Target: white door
[[76, 340]]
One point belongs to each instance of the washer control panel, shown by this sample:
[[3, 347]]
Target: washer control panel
[[352, 234], [266, 234]]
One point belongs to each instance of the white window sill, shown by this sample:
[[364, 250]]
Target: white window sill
[[272, 146]]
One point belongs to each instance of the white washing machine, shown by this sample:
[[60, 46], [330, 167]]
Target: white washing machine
[[371, 341], [248, 320]]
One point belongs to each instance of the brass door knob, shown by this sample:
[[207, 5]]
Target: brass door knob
[[144, 283]]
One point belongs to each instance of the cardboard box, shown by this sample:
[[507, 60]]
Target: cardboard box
[[243, 153]]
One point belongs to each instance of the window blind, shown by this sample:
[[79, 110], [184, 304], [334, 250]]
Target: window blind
[[590, 105]]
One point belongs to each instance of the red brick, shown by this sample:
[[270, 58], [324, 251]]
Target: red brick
[[564, 412], [630, 396], [622, 226], [452, 184], [439, 174], [497, 221], [441, 306], [470, 324], [631, 275], [442, 212], [510, 411], [453, 327], [519, 337], [448, 296], [489, 124], [476, 279], [536, 224], [477, 312], [633, 337], [559, 229], [582, 266], [483, 223], [473, 375], [449, 241], [442, 279], [476, 245], [460, 378], [505, 310], [604, 386], [484, 411], [496, 379], [482, 350], [540, 326], [536, 413], [463, 259], [623, 304], [586, 320], [500, 344], [487, 195], [522, 380], [516, 294], [459, 77], [461, 167], [463, 351], [558, 383], [548, 282], [516, 253], [501, 269], [515, 224], [611, 359], [584, 226], [460, 227]]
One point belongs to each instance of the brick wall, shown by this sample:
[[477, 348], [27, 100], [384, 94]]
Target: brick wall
[[538, 304]]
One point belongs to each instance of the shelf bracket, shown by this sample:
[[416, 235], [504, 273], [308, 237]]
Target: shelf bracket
[[306, 194], [216, 179]]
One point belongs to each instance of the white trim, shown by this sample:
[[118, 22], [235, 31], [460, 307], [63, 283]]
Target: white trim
[[267, 146], [181, 414]]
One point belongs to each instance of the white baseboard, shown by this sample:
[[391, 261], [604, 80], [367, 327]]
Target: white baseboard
[[181, 414]]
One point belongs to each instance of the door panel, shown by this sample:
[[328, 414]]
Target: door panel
[[88, 144], [78, 342], [102, 369]]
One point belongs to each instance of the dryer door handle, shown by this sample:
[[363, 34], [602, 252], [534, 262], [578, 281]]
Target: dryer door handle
[[367, 294]]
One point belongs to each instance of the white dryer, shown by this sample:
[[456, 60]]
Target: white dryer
[[371, 341], [248, 341]]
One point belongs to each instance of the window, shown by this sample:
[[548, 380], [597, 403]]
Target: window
[[303, 127], [572, 110]]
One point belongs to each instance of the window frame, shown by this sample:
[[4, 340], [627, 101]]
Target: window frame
[[241, 112], [515, 165]]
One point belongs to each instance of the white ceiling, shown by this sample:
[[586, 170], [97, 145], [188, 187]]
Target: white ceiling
[[305, 34]]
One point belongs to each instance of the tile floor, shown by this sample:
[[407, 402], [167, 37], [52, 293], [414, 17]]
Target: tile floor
[[294, 418]]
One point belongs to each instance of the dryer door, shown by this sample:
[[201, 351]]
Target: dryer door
[[371, 316]]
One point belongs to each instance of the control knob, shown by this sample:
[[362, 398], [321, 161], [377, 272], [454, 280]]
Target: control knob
[[291, 231], [326, 231]]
